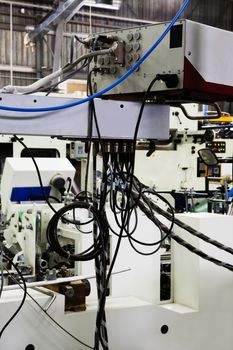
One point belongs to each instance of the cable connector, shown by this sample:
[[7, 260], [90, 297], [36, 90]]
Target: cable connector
[[171, 80]]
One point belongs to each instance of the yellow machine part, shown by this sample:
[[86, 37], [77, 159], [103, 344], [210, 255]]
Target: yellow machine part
[[223, 119]]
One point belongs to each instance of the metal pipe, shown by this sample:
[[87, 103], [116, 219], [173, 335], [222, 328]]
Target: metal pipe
[[11, 45], [47, 283], [49, 293], [16, 77], [58, 280], [90, 55], [44, 81], [82, 13], [24, 69], [33, 87], [24, 4], [90, 20], [117, 18]]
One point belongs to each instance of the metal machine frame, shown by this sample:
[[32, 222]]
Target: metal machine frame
[[116, 119], [137, 317]]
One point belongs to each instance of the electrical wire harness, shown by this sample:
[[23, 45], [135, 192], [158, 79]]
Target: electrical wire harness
[[108, 88], [126, 196]]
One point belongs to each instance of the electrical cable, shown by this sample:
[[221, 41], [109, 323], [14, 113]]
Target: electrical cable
[[171, 214], [185, 226], [86, 193], [50, 317], [131, 174], [2, 269], [69, 180], [182, 242], [83, 223], [101, 326], [154, 219], [94, 115], [68, 76], [101, 335], [149, 213], [61, 71], [88, 148], [23, 299], [72, 41], [125, 215], [143, 253], [141, 113], [81, 256], [53, 238], [198, 252], [91, 113], [117, 82], [41, 183], [191, 230], [38, 172]]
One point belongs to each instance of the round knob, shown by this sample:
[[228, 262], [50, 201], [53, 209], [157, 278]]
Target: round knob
[[130, 36], [58, 181], [136, 56], [137, 36], [129, 58], [129, 47], [101, 61], [136, 46]]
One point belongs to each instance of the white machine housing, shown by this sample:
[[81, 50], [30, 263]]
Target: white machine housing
[[199, 316], [19, 173]]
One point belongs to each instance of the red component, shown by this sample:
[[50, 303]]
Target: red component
[[202, 89]]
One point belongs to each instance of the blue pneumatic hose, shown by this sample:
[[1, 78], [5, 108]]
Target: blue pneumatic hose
[[117, 82]]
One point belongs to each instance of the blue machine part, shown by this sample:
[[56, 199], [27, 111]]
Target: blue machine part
[[24, 194]]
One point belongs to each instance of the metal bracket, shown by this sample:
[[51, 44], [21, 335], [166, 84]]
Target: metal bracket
[[216, 114]]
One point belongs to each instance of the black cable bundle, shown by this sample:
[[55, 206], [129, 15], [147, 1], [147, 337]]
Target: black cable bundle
[[92, 251], [153, 209], [126, 194]]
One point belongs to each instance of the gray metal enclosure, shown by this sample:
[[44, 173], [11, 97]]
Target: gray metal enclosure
[[22, 65]]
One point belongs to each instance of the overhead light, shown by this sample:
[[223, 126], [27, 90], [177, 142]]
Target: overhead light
[[104, 4]]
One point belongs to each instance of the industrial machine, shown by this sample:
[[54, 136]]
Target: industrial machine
[[187, 63], [26, 229], [155, 276]]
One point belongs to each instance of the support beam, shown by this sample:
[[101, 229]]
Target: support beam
[[24, 4], [23, 69], [58, 49], [65, 12], [116, 119]]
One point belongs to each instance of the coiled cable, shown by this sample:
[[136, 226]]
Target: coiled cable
[[52, 232]]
